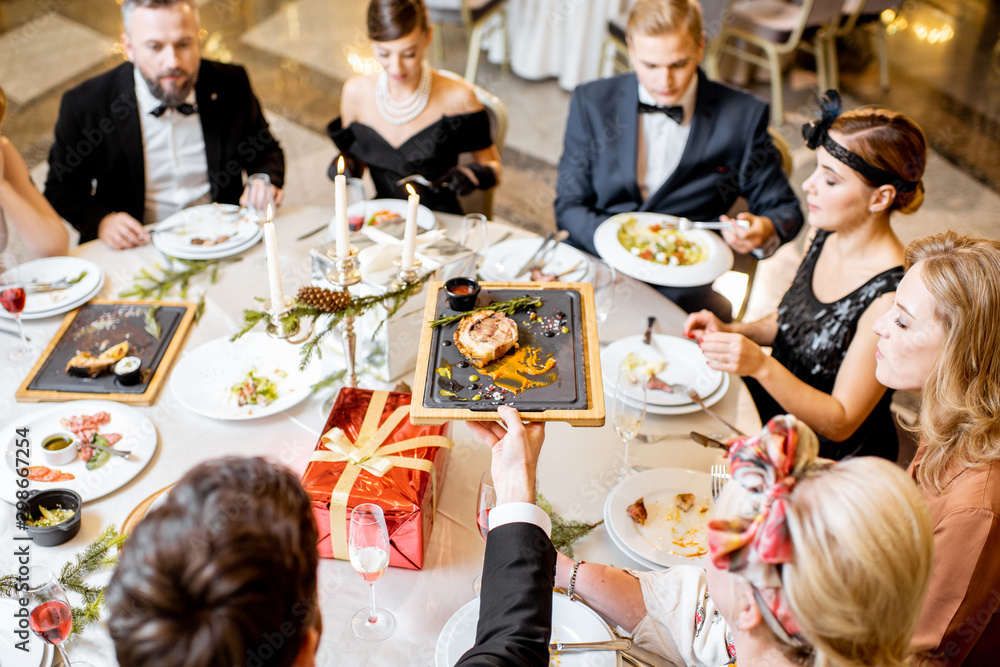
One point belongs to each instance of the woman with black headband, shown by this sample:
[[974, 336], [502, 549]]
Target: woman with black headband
[[869, 163]]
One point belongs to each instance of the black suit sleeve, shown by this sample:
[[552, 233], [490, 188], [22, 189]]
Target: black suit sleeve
[[270, 159], [515, 611], [68, 186], [765, 185], [575, 195]]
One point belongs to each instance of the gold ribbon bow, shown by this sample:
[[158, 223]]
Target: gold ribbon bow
[[368, 453]]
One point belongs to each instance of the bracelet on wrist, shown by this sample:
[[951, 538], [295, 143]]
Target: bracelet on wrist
[[572, 578]]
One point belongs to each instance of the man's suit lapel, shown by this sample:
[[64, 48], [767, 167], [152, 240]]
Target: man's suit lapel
[[130, 131], [626, 111], [702, 127], [210, 103]]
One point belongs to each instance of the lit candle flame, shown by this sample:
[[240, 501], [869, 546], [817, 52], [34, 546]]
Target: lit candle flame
[[340, 165], [409, 188], [269, 215]]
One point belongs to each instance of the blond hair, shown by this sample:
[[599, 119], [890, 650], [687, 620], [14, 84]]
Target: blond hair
[[861, 560], [960, 412], [662, 17]]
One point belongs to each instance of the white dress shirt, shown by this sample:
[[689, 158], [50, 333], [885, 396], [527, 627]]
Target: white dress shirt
[[520, 513], [662, 141], [174, 154]]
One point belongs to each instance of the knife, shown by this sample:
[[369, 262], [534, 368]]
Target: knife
[[624, 644], [647, 337], [14, 333], [706, 441], [535, 254], [124, 453]]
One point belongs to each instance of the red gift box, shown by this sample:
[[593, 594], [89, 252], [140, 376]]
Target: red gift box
[[370, 453]]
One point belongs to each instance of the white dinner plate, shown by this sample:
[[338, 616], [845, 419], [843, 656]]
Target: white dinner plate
[[685, 409], [51, 269], [571, 622], [720, 257], [501, 261], [175, 234], [366, 209], [656, 542], [202, 379], [685, 364], [138, 436], [39, 653]]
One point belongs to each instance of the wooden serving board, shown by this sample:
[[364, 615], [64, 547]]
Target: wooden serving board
[[427, 408], [93, 323]]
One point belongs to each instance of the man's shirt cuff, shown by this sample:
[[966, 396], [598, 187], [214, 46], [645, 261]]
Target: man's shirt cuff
[[520, 513]]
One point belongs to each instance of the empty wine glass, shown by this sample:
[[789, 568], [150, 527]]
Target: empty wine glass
[[259, 198], [486, 500], [369, 548], [50, 617], [604, 289], [355, 195], [12, 297], [629, 411]]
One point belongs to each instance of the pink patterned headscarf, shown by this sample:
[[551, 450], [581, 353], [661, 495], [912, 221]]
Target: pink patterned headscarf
[[757, 541]]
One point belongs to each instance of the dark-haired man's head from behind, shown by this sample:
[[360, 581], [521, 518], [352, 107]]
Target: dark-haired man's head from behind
[[223, 573]]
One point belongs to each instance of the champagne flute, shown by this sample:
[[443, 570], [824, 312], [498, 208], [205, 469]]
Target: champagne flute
[[629, 411], [369, 548], [486, 501], [12, 297], [50, 617], [259, 198]]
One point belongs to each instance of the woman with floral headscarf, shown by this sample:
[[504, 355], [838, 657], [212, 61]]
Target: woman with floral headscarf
[[869, 164], [811, 563]]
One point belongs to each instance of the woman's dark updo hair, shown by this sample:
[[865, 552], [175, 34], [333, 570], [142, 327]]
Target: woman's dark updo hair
[[389, 20]]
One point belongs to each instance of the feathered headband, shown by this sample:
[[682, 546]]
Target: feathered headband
[[815, 134]]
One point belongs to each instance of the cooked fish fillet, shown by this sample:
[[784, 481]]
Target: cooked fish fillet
[[485, 335], [637, 511], [684, 501]]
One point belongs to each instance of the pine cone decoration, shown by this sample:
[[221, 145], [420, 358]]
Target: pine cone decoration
[[329, 301]]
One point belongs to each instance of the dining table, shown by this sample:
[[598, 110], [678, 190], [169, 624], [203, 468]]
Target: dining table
[[577, 469]]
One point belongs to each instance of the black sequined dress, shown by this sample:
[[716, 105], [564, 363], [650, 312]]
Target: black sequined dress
[[811, 342], [430, 152]]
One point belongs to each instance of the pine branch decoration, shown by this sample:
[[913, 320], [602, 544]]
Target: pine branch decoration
[[8, 586], [148, 286], [506, 307], [565, 533]]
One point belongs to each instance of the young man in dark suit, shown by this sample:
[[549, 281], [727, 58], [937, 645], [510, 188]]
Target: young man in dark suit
[[667, 140], [162, 132]]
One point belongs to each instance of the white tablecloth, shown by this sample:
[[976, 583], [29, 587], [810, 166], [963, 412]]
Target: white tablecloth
[[556, 38], [576, 470]]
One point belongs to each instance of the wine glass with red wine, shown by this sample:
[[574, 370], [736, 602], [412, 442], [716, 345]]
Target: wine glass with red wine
[[12, 297], [50, 618], [486, 501]]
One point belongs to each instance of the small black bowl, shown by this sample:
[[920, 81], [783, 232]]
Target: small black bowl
[[66, 499], [462, 293]]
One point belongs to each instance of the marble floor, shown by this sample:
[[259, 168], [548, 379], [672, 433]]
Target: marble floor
[[299, 52]]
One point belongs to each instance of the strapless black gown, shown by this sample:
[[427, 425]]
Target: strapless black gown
[[430, 152], [811, 342]]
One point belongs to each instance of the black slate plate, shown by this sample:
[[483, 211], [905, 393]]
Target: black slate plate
[[568, 392]]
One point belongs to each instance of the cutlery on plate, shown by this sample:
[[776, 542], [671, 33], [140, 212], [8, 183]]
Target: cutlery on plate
[[544, 255], [683, 224], [541, 248], [650, 438], [14, 333], [647, 337], [719, 479], [569, 270], [415, 178], [124, 453], [708, 440], [35, 287], [606, 645], [656, 383]]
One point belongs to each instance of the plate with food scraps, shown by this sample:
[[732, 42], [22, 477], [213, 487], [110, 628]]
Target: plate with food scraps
[[211, 231], [571, 622], [648, 247], [670, 529], [93, 473], [383, 220], [669, 358], [256, 376], [502, 261], [531, 346], [56, 285]]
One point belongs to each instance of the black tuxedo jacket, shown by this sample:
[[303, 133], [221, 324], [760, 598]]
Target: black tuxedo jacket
[[515, 603], [98, 138], [728, 154]]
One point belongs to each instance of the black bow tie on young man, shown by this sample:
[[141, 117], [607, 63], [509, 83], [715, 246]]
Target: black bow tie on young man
[[184, 108], [675, 113]]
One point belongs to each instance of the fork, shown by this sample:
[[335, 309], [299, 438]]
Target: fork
[[719, 479]]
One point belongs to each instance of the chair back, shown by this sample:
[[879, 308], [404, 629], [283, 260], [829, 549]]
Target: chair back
[[824, 13]]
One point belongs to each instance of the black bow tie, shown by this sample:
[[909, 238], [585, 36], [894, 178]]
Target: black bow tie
[[184, 108], [675, 113]]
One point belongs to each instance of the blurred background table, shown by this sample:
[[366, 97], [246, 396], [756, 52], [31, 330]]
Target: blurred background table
[[577, 469]]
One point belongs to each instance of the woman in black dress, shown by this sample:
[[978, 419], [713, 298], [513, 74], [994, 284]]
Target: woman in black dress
[[869, 163], [409, 119]]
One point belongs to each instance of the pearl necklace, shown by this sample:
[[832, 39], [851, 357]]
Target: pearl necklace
[[399, 113]]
